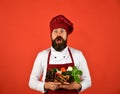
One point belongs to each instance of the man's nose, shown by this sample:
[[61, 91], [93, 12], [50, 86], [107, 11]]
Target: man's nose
[[58, 33]]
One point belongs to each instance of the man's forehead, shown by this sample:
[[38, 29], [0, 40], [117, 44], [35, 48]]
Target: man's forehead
[[59, 29]]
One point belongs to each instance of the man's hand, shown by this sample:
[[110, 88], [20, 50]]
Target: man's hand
[[52, 85], [70, 86]]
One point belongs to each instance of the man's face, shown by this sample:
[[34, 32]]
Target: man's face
[[59, 39]]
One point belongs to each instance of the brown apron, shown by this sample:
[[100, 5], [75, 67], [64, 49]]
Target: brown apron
[[49, 66]]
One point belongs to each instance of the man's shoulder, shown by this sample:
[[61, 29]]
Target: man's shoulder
[[74, 50], [44, 52]]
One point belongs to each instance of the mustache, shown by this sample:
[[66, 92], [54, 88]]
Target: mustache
[[59, 38]]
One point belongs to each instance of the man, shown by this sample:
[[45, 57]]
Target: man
[[59, 55]]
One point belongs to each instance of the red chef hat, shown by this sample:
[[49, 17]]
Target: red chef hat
[[61, 21]]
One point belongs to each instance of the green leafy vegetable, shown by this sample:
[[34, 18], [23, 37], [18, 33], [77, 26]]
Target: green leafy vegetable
[[76, 74]]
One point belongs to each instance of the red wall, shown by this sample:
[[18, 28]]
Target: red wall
[[24, 31]]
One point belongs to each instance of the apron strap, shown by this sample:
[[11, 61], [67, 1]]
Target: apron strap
[[70, 54], [48, 57]]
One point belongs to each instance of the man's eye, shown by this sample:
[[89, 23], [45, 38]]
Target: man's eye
[[55, 31], [63, 30]]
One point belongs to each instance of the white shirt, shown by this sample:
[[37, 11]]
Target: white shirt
[[40, 67]]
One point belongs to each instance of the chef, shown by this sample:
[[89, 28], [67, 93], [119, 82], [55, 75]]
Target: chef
[[57, 56]]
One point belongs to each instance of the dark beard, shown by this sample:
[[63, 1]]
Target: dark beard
[[59, 46]]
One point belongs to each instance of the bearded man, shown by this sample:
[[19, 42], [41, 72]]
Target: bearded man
[[57, 56]]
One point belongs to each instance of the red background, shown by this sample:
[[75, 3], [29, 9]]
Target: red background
[[24, 31]]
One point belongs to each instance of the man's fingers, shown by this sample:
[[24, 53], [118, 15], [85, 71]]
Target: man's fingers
[[66, 83], [56, 83]]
